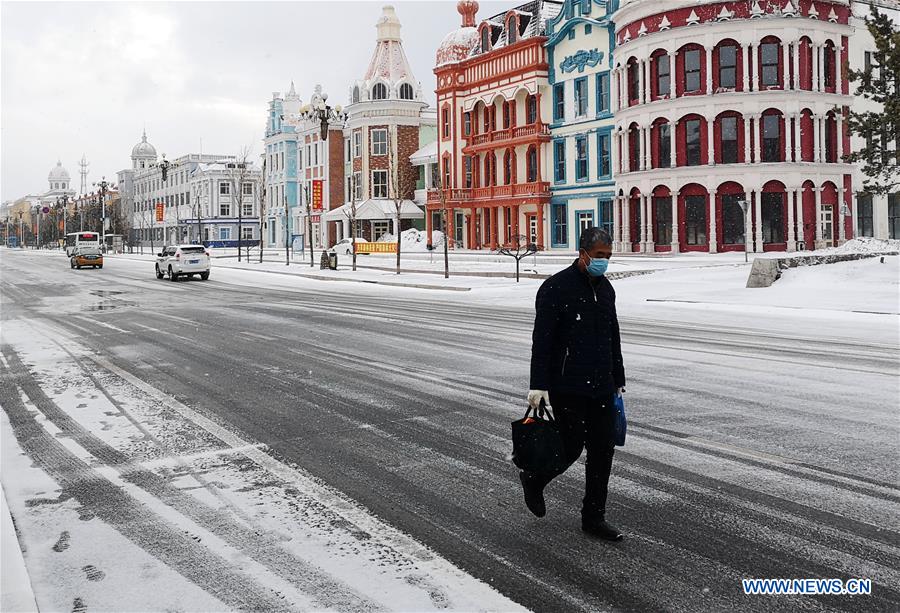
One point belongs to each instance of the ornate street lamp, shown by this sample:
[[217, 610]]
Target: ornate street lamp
[[318, 111], [62, 205], [164, 166], [103, 185]]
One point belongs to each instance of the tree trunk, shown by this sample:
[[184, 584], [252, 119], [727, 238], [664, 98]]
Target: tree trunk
[[398, 241]]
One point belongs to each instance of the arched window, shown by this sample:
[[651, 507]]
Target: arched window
[[512, 30], [772, 137], [485, 39], [406, 92], [769, 62], [379, 92], [355, 94], [531, 109], [509, 167], [531, 165]]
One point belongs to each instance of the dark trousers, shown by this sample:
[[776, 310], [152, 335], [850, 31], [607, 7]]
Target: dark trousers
[[586, 423]]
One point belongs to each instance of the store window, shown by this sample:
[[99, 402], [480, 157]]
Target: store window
[[695, 220], [773, 217]]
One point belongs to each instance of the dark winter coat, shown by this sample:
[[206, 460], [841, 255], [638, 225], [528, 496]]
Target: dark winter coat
[[576, 347]]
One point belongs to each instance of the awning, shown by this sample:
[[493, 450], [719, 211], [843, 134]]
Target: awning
[[426, 154], [376, 209]]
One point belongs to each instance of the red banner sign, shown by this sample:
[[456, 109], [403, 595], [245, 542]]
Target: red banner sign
[[160, 211], [317, 194]]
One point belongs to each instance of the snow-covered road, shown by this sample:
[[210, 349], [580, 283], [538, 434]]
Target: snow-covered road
[[293, 445]]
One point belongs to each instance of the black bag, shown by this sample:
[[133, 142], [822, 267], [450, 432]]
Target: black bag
[[537, 443]]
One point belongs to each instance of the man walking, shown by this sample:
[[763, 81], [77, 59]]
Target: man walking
[[576, 360]]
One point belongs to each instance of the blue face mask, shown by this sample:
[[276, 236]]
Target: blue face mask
[[597, 267]]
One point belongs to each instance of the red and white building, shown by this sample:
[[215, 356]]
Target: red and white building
[[721, 102], [492, 134]]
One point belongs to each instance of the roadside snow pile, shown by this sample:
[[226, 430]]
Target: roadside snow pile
[[415, 240], [867, 245]]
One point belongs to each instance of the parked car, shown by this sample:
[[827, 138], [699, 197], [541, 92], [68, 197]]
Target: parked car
[[182, 261], [86, 256], [345, 246]]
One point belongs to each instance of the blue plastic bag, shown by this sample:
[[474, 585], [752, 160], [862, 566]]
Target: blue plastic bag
[[621, 423]]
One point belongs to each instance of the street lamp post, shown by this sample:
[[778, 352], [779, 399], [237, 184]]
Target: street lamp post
[[103, 185], [318, 111], [21, 230], [62, 203], [164, 168]]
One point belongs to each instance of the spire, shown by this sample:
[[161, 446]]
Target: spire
[[467, 8], [144, 136], [293, 92], [388, 26]]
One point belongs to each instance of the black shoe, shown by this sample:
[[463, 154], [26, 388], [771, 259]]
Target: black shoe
[[534, 495], [601, 529]]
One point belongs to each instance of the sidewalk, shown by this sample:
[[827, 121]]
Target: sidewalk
[[16, 594]]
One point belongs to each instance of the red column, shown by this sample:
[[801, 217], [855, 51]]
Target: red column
[[451, 216], [540, 224], [515, 219], [428, 228], [494, 230], [473, 228]]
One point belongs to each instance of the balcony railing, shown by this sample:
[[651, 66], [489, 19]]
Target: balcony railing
[[509, 134], [481, 194]]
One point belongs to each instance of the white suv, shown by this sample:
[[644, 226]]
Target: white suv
[[182, 260]]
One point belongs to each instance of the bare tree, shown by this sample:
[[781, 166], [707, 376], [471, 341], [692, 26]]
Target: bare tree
[[239, 172], [401, 184], [351, 216], [519, 247]]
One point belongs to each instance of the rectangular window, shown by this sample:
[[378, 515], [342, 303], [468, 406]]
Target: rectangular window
[[663, 75], [830, 148], [664, 145], [247, 232], [663, 230], [379, 184], [603, 93], [633, 81], [224, 209], [224, 234], [347, 152], [864, 217], [560, 225], [581, 158], [581, 97], [729, 144], [445, 122], [695, 220], [771, 138], [467, 123], [692, 139], [559, 101], [769, 62], [773, 218], [732, 219], [585, 220], [605, 220], [603, 146], [248, 189], [894, 215], [357, 144], [247, 209], [379, 142], [692, 70], [727, 66], [829, 66], [467, 165], [357, 179], [224, 188], [559, 161]]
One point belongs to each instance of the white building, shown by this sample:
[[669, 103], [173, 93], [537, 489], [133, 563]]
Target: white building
[[876, 215]]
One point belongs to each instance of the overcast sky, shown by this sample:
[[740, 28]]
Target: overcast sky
[[86, 77]]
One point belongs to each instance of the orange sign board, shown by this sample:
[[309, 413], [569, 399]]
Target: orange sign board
[[160, 211], [367, 247], [317, 194]]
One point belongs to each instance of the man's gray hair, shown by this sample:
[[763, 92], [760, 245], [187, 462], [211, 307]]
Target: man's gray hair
[[593, 235]]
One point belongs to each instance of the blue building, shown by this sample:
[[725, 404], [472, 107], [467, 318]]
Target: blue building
[[580, 44], [281, 172]]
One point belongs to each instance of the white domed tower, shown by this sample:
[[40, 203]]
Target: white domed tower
[[59, 178], [143, 155], [458, 44], [389, 76]]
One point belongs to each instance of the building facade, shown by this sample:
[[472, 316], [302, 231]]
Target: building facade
[[721, 103], [387, 122], [493, 135], [877, 215], [580, 55], [282, 180]]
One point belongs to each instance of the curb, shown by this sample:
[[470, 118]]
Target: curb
[[16, 593]]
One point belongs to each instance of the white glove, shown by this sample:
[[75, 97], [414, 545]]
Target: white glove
[[620, 391], [535, 397]]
